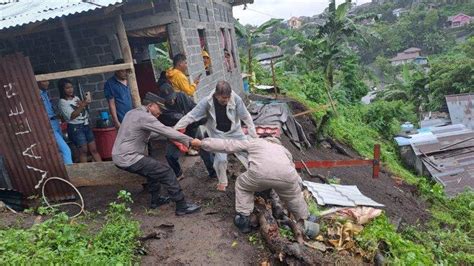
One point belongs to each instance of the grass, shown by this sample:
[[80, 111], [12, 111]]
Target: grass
[[62, 241], [447, 238]]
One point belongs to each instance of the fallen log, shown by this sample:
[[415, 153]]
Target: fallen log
[[288, 252], [282, 215]]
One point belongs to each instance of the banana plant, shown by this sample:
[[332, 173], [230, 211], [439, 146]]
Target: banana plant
[[251, 35]]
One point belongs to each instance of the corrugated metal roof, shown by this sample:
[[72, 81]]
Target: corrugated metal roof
[[461, 109], [339, 195], [25, 12], [454, 169]]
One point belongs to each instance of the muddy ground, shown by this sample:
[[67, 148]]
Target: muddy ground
[[209, 237]]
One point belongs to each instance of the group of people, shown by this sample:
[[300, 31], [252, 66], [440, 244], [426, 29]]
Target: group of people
[[177, 117]]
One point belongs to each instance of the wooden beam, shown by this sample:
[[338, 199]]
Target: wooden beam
[[127, 57], [83, 72], [100, 174], [151, 21]]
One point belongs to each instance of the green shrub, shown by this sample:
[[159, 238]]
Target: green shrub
[[386, 117], [63, 241]]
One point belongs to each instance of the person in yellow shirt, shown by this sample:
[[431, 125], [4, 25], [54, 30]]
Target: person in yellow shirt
[[207, 62], [176, 75]]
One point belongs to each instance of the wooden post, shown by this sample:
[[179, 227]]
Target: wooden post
[[127, 57], [274, 79], [376, 165]]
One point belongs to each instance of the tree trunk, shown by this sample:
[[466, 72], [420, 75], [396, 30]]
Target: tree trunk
[[288, 252]]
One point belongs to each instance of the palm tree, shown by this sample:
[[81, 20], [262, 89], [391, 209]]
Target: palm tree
[[251, 35]]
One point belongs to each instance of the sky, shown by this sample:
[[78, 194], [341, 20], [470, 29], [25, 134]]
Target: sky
[[263, 10]]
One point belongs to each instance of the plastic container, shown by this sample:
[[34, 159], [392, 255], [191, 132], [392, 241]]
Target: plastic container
[[104, 139], [407, 127]]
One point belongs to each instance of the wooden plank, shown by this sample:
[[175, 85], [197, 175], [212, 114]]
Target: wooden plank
[[100, 174], [330, 164], [151, 21], [83, 72], [127, 57]]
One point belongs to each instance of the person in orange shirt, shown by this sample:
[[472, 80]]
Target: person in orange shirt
[[176, 75]]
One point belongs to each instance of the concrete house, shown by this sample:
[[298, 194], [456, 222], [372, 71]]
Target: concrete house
[[459, 20], [408, 56], [79, 39], [295, 23]]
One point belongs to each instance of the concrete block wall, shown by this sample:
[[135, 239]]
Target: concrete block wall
[[49, 51], [93, 44], [210, 16]]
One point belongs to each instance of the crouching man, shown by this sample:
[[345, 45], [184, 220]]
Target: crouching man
[[130, 154], [270, 167]]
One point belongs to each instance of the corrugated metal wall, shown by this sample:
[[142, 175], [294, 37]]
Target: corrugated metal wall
[[26, 137]]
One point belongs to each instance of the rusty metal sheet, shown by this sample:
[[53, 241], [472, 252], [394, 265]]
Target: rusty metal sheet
[[453, 169], [461, 109], [26, 138]]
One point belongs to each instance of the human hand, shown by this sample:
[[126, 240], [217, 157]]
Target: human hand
[[117, 125], [198, 79], [196, 144], [82, 104]]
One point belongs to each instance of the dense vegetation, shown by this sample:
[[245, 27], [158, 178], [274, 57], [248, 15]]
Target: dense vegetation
[[64, 241], [341, 58]]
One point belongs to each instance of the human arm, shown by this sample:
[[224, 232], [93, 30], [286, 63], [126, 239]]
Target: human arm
[[224, 145], [113, 112], [70, 112], [245, 116], [183, 84], [155, 126], [197, 113], [110, 96]]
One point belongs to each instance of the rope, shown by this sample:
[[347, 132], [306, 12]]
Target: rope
[[81, 206]]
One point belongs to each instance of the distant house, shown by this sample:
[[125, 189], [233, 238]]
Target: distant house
[[295, 23], [399, 11], [459, 20], [408, 56]]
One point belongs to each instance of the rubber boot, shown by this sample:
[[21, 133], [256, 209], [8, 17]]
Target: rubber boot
[[310, 229], [243, 223], [183, 208]]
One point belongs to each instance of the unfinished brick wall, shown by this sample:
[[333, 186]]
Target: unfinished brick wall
[[94, 45], [49, 51], [210, 16]]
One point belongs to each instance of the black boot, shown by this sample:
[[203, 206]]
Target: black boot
[[183, 207], [157, 200], [243, 223]]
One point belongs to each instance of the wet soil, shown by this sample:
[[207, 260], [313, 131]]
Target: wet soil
[[209, 237]]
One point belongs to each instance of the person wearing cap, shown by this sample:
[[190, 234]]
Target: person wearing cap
[[207, 62], [130, 154], [177, 77], [224, 110], [263, 174], [177, 105]]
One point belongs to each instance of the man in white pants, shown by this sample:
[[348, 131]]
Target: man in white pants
[[224, 110]]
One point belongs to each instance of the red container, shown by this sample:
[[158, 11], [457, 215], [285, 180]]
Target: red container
[[104, 139]]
